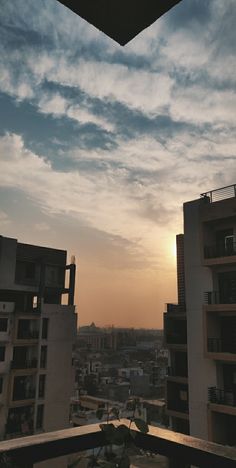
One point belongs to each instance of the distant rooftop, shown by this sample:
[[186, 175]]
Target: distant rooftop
[[121, 20], [220, 194]]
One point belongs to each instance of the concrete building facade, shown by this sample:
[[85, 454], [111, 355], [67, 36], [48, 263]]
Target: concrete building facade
[[37, 333], [210, 296], [175, 338]]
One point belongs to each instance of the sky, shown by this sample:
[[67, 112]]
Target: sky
[[100, 145]]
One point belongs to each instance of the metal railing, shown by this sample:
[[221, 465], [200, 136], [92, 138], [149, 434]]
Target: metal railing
[[28, 335], [24, 395], [220, 250], [214, 297], [177, 405], [217, 345], [176, 338], [220, 194], [177, 372], [183, 449], [175, 308], [26, 364], [221, 397]]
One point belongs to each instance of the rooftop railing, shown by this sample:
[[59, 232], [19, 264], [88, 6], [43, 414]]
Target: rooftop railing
[[180, 449], [220, 194]]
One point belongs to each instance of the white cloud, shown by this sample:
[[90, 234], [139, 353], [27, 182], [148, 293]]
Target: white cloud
[[41, 227], [58, 106], [4, 218]]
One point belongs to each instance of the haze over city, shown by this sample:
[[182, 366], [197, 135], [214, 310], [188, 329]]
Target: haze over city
[[100, 145]]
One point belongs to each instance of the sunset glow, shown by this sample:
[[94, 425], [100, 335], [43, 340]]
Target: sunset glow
[[101, 145]]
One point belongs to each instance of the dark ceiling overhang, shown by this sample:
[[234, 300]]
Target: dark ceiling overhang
[[121, 20]]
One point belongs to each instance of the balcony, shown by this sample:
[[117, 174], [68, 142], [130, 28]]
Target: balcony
[[180, 449], [24, 364], [177, 373], [20, 421], [28, 335], [220, 250], [27, 394], [176, 308], [175, 331], [221, 349], [23, 388], [222, 397], [177, 406], [214, 301]]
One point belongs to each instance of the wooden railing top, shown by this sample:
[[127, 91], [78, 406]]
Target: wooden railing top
[[32, 449]]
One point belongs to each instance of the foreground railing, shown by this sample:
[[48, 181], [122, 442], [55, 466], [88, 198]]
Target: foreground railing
[[180, 449]]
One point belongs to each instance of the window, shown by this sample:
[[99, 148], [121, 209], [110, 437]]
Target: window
[[3, 324], [45, 328], [39, 417], [42, 380], [2, 353], [43, 357], [30, 270]]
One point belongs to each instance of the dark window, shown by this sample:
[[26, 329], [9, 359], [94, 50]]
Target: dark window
[[2, 353], [45, 328], [39, 419], [30, 270], [43, 357], [1, 384], [42, 380], [3, 324]]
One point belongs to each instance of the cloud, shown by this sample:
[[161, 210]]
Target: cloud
[[42, 227], [4, 218]]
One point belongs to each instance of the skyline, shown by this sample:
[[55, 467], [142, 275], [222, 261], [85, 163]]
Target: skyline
[[115, 140]]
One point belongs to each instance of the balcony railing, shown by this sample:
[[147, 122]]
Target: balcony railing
[[28, 335], [220, 250], [178, 405], [214, 297], [28, 394], [217, 345], [183, 449], [176, 338], [177, 372], [220, 194], [26, 364], [221, 397], [175, 308]]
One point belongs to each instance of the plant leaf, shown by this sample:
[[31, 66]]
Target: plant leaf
[[99, 413], [124, 461], [141, 425], [115, 411]]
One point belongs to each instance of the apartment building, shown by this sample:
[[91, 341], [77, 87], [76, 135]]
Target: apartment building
[[37, 332], [175, 338], [210, 296]]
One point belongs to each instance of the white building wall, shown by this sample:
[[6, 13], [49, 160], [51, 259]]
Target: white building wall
[[202, 372], [59, 373]]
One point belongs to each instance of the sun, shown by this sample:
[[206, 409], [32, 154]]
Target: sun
[[173, 249]]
